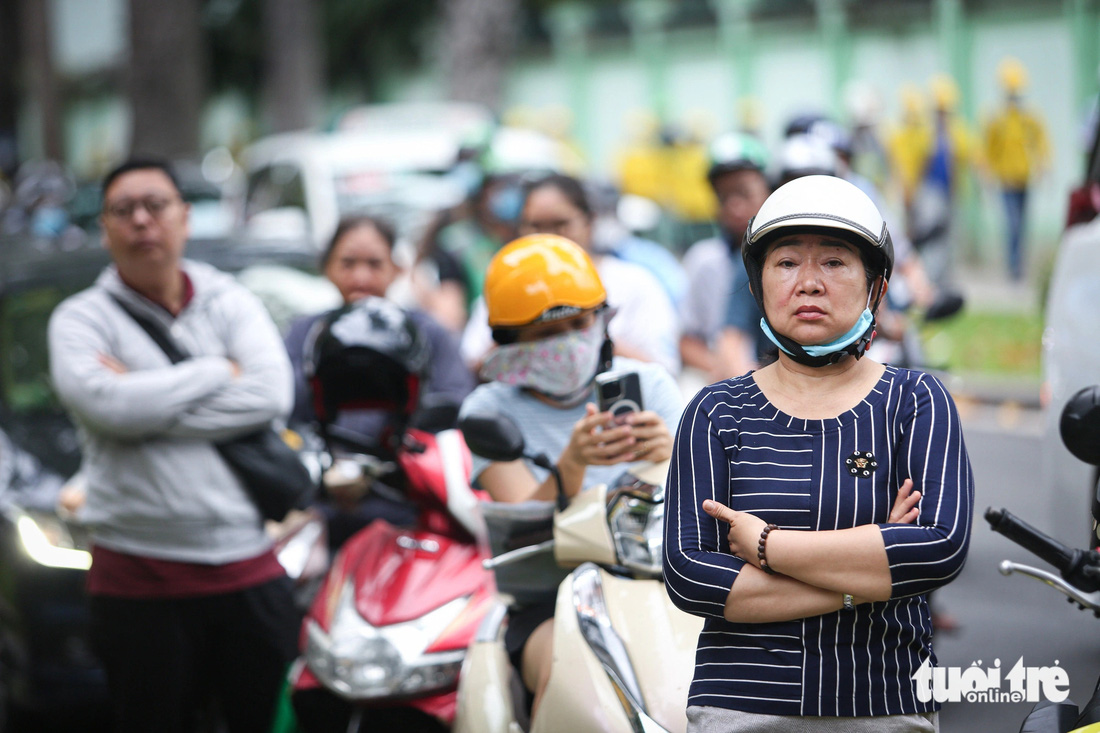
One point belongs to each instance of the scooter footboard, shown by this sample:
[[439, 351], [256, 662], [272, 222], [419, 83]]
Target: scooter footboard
[[623, 656]]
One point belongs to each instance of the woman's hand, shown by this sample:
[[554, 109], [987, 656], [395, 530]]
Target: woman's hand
[[905, 509], [598, 441], [745, 529], [653, 440]]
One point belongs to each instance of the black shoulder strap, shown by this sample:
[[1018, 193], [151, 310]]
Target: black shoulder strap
[[155, 331]]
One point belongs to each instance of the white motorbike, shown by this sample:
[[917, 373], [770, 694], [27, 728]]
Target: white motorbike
[[623, 654]]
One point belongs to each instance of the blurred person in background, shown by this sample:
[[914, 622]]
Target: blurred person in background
[[868, 154], [952, 156], [908, 146], [41, 191], [359, 262], [1017, 151], [444, 296], [645, 326], [712, 343], [471, 235], [187, 598], [617, 221]]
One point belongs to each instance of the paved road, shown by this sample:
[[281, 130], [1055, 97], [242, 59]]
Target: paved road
[[1010, 617]]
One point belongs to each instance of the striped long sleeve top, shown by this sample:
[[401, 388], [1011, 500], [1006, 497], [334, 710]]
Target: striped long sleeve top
[[733, 446]]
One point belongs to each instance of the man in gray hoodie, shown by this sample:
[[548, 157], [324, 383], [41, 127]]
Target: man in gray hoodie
[[187, 597]]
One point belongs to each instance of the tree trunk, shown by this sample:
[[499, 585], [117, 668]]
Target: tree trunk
[[293, 68], [481, 37], [166, 77], [40, 77]]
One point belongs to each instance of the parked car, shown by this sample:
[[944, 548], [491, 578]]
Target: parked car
[[46, 664], [1071, 353], [392, 160]]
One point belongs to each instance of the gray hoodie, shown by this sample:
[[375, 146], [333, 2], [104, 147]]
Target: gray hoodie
[[156, 485]]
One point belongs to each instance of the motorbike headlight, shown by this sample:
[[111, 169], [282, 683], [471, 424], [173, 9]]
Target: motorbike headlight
[[49, 541], [361, 661], [637, 527]]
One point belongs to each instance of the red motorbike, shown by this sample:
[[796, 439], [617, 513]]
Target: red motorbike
[[385, 638]]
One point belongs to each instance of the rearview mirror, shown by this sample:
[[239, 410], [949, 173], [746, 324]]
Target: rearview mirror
[[434, 414], [495, 437], [1080, 425]]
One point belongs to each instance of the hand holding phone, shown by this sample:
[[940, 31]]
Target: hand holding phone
[[620, 393]]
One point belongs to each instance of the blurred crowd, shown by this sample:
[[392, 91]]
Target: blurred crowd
[[662, 229]]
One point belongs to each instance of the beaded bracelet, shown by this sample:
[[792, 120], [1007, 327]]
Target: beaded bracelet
[[760, 550]]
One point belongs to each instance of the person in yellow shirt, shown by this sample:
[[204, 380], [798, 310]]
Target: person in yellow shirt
[[909, 144], [951, 154], [1017, 151]]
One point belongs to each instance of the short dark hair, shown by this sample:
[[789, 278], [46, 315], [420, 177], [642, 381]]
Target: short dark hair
[[140, 164], [383, 227], [568, 186]]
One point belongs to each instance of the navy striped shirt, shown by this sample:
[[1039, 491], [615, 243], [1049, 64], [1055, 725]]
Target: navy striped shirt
[[735, 447]]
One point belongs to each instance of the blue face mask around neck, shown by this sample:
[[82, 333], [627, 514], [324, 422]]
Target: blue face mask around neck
[[839, 344]]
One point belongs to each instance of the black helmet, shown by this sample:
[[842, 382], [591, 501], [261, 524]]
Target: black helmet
[[802, 123], [367, 355]]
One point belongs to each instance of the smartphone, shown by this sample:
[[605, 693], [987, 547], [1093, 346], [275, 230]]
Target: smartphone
[[619, 393]]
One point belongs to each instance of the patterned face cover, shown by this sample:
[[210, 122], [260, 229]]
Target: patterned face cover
[[561, 366]]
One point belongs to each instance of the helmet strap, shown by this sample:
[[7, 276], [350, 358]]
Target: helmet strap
[[795, 350]]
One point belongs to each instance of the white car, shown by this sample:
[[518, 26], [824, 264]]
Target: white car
[[303, 183], [395, 161]]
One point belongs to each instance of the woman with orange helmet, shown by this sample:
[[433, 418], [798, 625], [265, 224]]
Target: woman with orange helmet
[[547, 309]]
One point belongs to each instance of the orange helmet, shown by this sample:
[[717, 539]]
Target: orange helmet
[[540, 277]]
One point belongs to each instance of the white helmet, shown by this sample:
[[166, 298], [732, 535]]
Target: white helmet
[[806, 154], [820, 204]]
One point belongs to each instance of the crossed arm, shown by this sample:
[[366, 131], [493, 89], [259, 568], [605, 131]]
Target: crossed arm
[[206, 397], [804, 585]]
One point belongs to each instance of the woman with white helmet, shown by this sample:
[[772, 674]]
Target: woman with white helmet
[[813, 504]]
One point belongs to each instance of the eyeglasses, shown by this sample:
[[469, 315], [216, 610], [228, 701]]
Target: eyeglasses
[[548, 226], [125, 209]]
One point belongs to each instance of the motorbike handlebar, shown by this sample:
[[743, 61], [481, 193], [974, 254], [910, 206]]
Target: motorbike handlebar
[[1080, 568], [1049, 549]]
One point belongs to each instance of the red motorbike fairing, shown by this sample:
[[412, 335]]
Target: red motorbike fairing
[[401, 575]]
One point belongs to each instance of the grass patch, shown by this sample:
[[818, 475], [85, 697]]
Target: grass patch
[[999, 343]]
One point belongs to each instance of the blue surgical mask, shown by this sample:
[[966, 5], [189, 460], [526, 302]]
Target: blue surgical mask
[[49, 221], [506, 203], [839, 344]]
